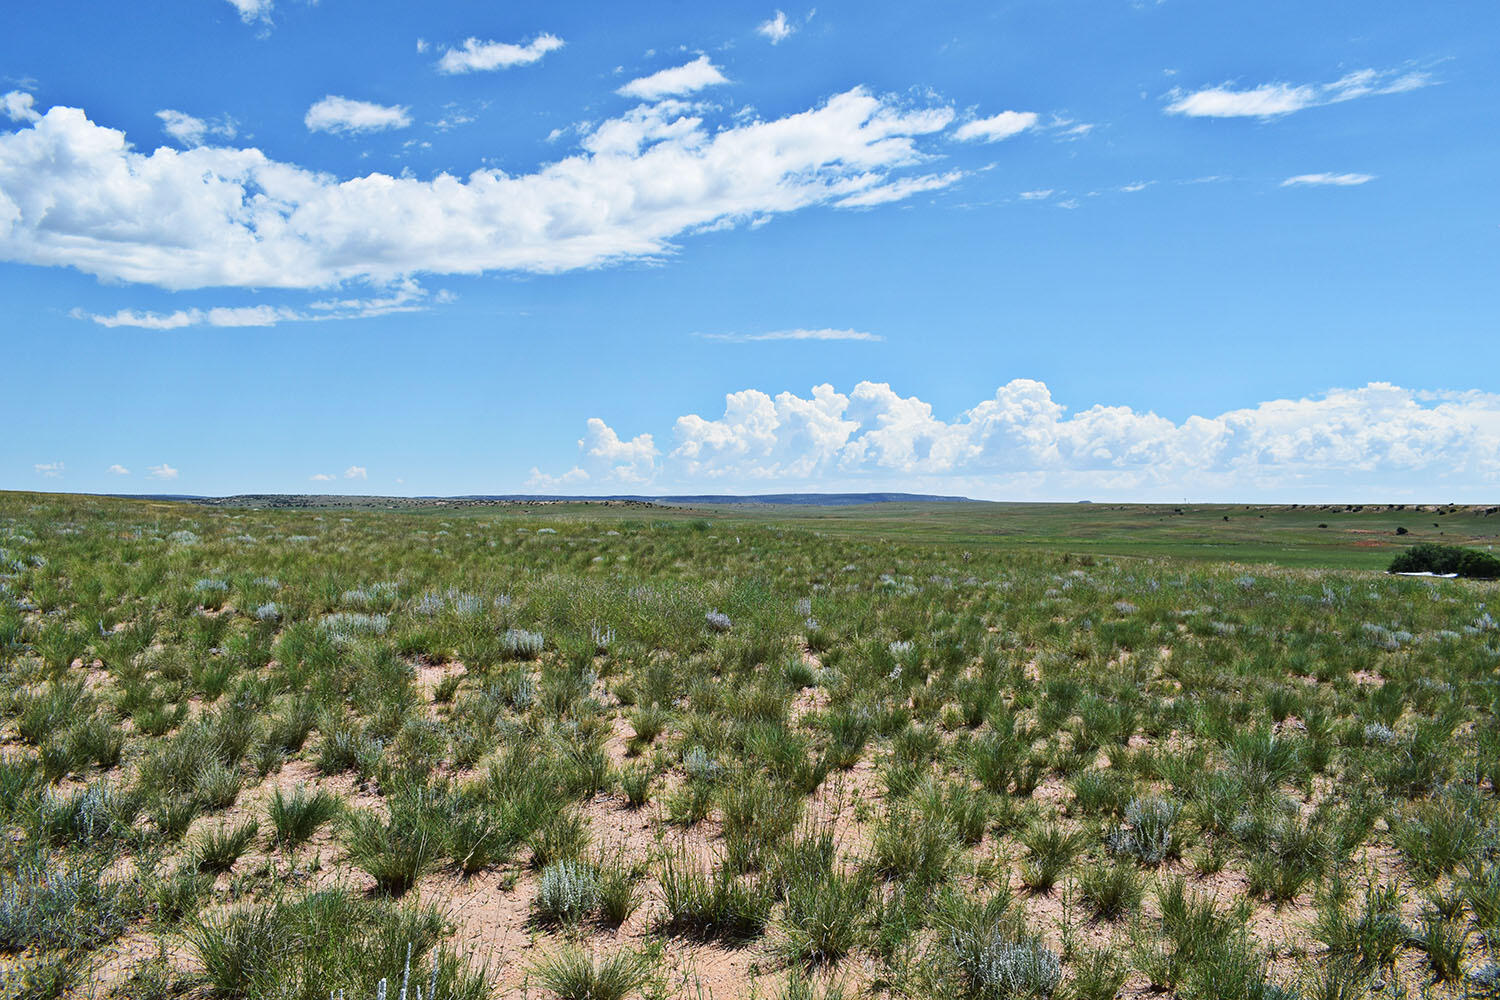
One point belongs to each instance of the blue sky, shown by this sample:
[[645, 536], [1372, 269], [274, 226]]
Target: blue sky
[[1048, 250]]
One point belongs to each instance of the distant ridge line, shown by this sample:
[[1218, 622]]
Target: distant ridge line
[[326, 499], [808, 499]]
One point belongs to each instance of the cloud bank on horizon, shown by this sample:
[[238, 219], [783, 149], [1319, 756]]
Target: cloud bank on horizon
[[1021, 442]]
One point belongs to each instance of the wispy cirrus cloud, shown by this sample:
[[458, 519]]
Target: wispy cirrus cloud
[[192, 131], [996, 127], [1335, 180], [406, 297], [476, 56], [49, 470], [798, 334], [346, 116], [1271, 100], [675, 82], [900, 189]]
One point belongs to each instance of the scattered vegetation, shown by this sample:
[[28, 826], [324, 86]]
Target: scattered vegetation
[[263, 751]]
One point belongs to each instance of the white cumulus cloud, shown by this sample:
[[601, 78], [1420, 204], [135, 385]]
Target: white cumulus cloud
[[19, 106], [343, 115], [996, 127], [253, 10], [49, 470], [356, 472], [118, 470], [778, 29], [1337, 180], [322, 477], [675, 82], [626, 461], [1270, 100], [76, 194], [540, 481], [1022, 442], [475, 56], [162, 471]]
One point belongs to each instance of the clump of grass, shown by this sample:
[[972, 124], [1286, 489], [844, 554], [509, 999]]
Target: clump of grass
[[618, 892], [690, 803], [220, 848], [1199, 951], [573, 974], [1480, 885], [822, 916], [1111, 891], [1263, 760], [849, 729], [648, 722], [1100, 793], [1287, 853], [477, 838], [177, 896], [394, 850], [562, 835], [706, 901], [1050, 851], [757, 814], [1437, 835], [1444, 939], [296, 817], [635, 782], [174, 814], [327, 940], [217, 785], [913, 847], [1097, 975]]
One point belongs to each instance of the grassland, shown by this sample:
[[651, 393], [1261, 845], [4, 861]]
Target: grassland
[[957, 751], [1352, 536]]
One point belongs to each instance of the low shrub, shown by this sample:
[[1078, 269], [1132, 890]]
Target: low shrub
[[1430, 557]]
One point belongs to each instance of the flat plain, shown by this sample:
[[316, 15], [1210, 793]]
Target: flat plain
[[595, 751]]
